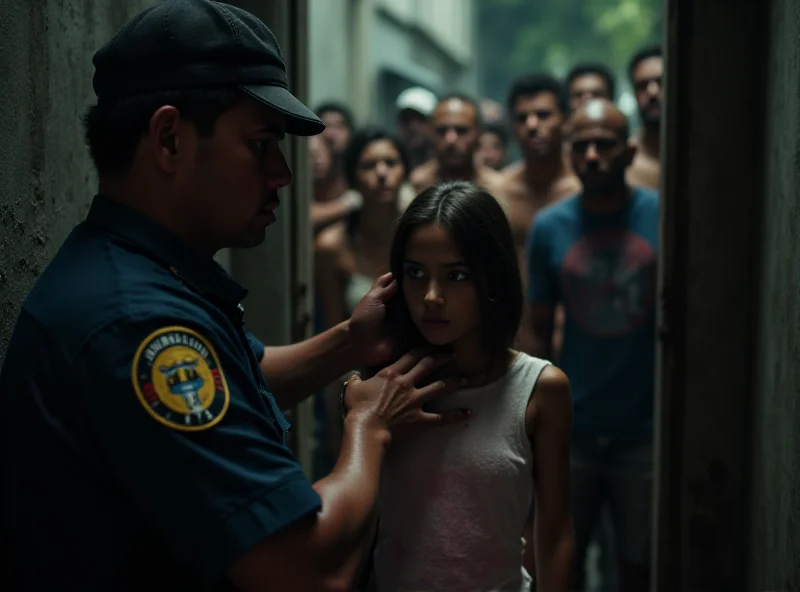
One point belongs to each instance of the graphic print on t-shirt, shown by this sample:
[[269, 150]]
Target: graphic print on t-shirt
[[609, 281]]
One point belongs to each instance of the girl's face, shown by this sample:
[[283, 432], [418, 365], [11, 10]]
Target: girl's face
[[380, 171], [439, 288]]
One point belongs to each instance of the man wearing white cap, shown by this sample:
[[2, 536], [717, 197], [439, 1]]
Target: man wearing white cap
[[415, 106]]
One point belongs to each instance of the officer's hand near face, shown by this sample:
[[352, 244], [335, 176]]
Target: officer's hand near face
[[367, 323]]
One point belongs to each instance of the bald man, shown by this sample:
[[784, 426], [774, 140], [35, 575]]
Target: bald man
[[457, 127], [538, 107], [595, 253]]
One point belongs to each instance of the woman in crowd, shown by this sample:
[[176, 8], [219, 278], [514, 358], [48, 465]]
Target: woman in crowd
[[352, 253]]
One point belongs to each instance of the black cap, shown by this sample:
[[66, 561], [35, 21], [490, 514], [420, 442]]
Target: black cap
[[184, 44]]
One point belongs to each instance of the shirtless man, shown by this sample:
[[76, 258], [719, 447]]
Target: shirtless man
[[457, 129], [589, 80], [646, 70], [538, 108]]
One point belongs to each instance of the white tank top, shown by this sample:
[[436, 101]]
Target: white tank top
[[454, 499]]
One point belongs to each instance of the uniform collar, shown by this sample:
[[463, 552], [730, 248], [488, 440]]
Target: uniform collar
[[199, 271]]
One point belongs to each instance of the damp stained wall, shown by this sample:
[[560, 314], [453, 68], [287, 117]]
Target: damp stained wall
[[46, 176], [775, 539]]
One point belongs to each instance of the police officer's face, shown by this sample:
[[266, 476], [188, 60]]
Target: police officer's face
[[233, 180]]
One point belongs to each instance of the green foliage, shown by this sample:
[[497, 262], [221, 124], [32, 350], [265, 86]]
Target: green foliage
[[518, 36]]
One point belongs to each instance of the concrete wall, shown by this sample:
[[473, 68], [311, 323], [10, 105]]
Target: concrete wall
[[712, 183], [330, 40], [728, 485], [776, 508], [46, 176]]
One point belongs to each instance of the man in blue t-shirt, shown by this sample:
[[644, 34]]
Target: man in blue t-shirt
[[596, 254]]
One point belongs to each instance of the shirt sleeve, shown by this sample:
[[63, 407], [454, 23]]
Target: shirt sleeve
[[542, 278], [257, 346], [191, 438]]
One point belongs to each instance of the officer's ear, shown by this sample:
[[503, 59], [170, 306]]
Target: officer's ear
[[165, 137]]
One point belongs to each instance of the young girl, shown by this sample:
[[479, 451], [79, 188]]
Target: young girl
[[455, 499]]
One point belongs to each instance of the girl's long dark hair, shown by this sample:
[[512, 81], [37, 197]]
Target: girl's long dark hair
[[480, 229]]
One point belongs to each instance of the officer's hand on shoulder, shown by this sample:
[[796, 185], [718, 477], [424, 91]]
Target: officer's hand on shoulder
[[391, 399]]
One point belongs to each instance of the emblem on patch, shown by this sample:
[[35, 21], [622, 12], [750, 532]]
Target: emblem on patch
[[178, 379]]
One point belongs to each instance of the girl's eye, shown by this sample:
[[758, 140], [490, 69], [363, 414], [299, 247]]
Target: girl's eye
[[413, 272], [459, 276]]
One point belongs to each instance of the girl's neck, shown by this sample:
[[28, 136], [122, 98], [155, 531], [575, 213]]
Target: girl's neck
[[475, 363]]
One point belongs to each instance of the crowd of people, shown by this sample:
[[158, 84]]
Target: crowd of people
[[582, 207], [483, 362]]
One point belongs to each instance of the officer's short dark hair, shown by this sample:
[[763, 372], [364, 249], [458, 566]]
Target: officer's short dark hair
[[113, 129], [597, 69], [651, 51], [498, 130], [464, 98], [533, 84], [334, 107]]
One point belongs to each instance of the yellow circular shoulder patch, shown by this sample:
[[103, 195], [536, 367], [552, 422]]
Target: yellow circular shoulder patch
[[178, 378]]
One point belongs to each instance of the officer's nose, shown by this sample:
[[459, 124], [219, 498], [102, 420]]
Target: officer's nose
[[278, 172]]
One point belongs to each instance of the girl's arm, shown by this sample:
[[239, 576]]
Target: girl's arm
[[549, 423]]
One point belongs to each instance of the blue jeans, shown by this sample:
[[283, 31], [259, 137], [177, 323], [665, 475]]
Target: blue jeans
[[619, 476]]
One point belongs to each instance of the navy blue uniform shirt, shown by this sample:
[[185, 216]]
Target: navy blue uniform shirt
[[141, 448]]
